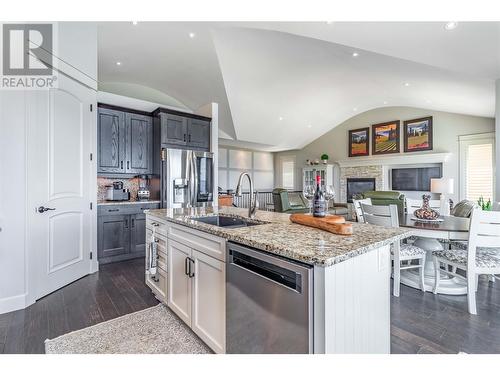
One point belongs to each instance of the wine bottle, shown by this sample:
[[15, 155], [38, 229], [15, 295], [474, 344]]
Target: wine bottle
[[319, 202]]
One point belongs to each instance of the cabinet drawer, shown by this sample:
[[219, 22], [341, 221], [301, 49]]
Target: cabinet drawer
[[206, 243], [125, 209], [158, 284], [160, 227]]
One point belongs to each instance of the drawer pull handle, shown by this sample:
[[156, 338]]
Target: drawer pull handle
[[114, 210]]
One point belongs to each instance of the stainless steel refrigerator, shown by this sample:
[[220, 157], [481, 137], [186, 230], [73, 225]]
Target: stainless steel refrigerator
[[187, 178]]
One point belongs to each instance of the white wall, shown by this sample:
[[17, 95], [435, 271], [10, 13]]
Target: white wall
[[234, 161], [497, 140], [447, 127], [12, 199]]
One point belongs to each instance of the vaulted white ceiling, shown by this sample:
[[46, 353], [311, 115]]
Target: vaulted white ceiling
[[282, 85]]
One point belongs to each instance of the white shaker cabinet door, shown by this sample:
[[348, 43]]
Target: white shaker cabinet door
[[209, 301], [179, 282]]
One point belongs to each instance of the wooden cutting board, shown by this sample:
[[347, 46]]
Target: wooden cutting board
[[332, 223]]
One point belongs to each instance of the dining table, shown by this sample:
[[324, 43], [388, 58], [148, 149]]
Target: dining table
[[433, 236]]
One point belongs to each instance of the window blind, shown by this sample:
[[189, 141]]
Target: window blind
[[479, 172], [288, 173]]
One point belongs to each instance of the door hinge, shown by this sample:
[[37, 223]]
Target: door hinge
[[90, 156], [91, 107], [90, 205], [91, 255]]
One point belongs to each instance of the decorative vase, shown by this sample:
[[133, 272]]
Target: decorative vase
[[426, 212]]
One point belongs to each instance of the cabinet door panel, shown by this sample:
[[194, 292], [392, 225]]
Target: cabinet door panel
[[199, 134], [179, 284], [139, 144], [173, 129], [113, 235], [138, 233], [111, 141], [209, 301]]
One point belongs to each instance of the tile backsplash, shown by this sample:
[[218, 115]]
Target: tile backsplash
[[132, 184]]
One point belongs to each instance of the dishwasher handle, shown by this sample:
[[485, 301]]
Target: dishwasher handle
[[276, 273]]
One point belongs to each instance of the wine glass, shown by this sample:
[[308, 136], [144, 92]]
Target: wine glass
[[308, 194], [329, 195]]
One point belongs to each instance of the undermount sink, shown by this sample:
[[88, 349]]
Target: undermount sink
[[227, 221]]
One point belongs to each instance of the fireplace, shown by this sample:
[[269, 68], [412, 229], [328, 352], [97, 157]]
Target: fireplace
[[359, 186]]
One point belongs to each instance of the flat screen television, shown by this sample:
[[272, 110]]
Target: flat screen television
[[414, 179]]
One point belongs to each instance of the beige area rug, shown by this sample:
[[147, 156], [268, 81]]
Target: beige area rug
[[155, 330]]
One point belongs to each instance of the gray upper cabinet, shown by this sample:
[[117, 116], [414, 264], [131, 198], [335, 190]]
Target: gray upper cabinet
[[199, 134], [173, 129], [111, 141], [139, 144], [185, 131], [125, 142]]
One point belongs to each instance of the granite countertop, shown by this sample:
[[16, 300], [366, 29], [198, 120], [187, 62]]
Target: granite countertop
[[282, 237], [107, 203]]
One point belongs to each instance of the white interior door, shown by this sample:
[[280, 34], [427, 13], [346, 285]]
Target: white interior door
[[59, 172]]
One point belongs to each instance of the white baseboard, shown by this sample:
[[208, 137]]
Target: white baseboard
[[12, 303]]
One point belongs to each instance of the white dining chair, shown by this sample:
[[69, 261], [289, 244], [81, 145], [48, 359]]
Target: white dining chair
[[357, 208], [414, 204], [480, 258], [387, 216]]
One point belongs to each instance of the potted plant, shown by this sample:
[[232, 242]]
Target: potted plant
[[324, 158]]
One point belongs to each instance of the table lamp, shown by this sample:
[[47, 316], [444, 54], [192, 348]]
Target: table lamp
[[442, 186]]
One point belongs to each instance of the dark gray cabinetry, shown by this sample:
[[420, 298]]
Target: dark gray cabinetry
[[125, 142], [138, 234], [121, 231], [199, 134], [184, 131], [113, 239], [173, 129], [139, 144], [111, 141]]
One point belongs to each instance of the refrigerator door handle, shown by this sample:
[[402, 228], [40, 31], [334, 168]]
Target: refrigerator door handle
[[194, 180]]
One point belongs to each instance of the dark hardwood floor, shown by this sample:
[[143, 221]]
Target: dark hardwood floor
[[117, 289], [421, 322]]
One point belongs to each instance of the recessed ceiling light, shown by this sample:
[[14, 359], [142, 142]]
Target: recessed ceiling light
[[406, 84], [385, 102], [309, 126], [281, 118], [118, 63], [192, 35], [134, 23], [451, 25], [355, 54], [355, 109]]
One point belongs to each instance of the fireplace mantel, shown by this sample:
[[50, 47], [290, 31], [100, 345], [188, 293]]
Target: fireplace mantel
[[406, 158]]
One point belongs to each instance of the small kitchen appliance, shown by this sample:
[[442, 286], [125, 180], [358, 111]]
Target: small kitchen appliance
[[143, 194], [116, 192]]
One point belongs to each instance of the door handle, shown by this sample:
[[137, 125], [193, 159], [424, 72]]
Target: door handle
[[121, 164], [128, 164], [186, 266], [126, 223], [191, 274], [42, 209], [184, 137], [189, 138], [133, 223]]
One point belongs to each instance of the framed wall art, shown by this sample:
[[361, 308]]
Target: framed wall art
[[385, 138], [359, 142]]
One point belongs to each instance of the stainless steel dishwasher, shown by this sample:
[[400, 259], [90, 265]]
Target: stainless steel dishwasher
[[268, 303]]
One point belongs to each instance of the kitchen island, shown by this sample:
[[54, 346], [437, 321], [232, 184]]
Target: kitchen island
[[350, 275]]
